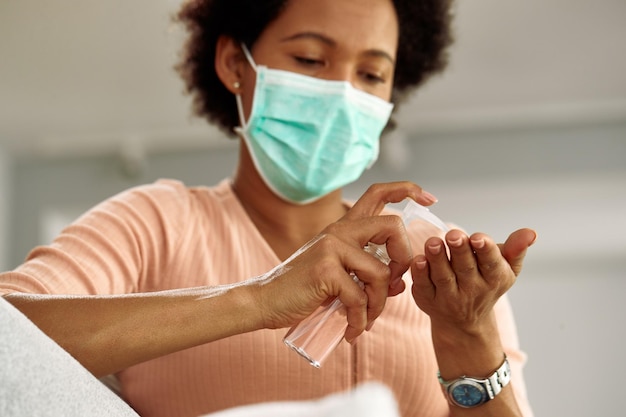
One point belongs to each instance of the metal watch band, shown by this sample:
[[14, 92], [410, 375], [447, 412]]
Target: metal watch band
[[493, 384], [499, 379]]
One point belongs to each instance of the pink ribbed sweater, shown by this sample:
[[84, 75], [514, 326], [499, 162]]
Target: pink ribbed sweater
[[164, 236]]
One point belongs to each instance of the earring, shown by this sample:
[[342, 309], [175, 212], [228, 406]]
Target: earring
[[236, 84]]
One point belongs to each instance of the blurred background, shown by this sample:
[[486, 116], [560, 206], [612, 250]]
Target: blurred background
[[527, 128]]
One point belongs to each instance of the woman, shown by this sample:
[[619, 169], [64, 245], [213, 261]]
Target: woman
[[307, 85]]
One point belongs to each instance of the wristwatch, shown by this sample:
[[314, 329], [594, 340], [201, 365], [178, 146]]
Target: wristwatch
[[469, 392]]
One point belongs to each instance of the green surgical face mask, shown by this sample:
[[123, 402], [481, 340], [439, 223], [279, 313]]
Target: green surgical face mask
[[308, 136]]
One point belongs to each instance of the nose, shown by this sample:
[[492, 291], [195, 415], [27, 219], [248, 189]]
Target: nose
[[341, 71]]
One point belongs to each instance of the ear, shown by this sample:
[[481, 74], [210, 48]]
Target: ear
[[229, 63]]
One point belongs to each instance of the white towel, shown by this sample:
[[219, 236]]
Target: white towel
[[370, 399]]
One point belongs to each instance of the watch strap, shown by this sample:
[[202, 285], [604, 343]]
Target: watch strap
[[499, 379], [493, 384]]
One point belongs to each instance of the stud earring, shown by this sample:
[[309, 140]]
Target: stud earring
[[237, 84]]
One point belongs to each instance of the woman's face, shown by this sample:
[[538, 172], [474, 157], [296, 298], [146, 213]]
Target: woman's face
[[347, 40]]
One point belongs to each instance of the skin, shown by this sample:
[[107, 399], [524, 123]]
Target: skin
[[353, 40]]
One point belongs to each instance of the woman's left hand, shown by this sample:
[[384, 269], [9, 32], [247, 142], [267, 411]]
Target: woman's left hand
[[459, 291]]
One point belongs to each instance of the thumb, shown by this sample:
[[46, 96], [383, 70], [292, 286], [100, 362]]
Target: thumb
[[514, 249]]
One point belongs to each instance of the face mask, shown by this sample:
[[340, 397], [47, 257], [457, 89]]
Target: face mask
[[308, 137]]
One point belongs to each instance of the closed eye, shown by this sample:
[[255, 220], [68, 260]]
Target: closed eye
[[372, 78], [308, 61]]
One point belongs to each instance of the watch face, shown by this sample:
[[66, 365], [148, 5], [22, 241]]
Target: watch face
[[468, 393]]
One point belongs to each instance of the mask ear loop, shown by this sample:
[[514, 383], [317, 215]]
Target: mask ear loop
[[248, 55], [242, 120]]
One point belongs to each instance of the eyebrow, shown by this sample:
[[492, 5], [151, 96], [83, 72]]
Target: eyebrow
[[330, 42]]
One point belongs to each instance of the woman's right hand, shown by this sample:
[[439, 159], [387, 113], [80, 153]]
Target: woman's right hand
[[108, 333], [321, 269]]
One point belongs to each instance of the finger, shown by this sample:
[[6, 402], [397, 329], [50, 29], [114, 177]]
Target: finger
[[396, 287], [373, 201], [490, 262], [387, 230], [462, 257], [514, 249], [338, 282], [355, 301], [363, 303], [376, 280], [422, 287], [441, 273]]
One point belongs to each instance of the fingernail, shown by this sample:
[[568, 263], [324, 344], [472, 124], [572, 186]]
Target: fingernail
[[455, 242], [420, 264], [434, 249], [352, 341], [428, 196], [478, 243]]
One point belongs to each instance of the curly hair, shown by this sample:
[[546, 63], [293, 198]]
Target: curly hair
[[424, 36]]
